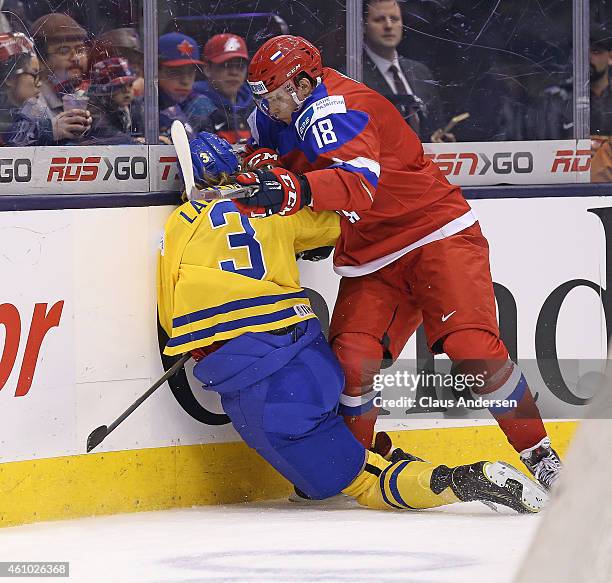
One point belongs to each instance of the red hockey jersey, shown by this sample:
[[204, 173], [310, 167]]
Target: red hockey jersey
[[363, 160]]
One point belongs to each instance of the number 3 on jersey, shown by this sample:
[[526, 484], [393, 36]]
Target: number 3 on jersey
[[324, 133], [245, 239]]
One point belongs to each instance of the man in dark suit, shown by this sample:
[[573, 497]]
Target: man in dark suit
[[408, 84]]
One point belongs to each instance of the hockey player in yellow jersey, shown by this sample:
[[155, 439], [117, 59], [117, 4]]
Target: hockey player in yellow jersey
[[229, 291], [223, 275]]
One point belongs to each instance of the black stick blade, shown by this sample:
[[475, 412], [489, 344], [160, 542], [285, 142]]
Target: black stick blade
[[96, 437]]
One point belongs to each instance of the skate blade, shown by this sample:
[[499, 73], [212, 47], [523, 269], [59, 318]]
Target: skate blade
[[533, 496]]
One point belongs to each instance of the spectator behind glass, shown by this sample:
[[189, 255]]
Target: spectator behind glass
[[179, 58], [408, 84], [13, 17], [61, 42], [555, 109], [125, 43], [111, 96], [225, 65], [601, 104], [25, 120]]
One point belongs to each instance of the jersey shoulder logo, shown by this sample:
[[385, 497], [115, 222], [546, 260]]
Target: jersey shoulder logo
[[303, 310], [318, 110]]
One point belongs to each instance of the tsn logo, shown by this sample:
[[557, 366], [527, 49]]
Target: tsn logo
[[455, 163], [169, 164], [571, 161], [77, 169]]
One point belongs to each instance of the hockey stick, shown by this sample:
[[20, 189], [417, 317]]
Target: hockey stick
[[210, 193], [98, 435], [183, 153], [225, 192]]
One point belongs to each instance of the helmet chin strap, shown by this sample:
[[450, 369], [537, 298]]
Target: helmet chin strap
[[299, 102]]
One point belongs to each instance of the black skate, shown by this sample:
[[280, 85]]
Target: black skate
[[398, 455], [491, 482], [543, 462]]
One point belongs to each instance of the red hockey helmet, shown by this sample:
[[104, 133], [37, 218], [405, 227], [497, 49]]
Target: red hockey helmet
[[280, 59]]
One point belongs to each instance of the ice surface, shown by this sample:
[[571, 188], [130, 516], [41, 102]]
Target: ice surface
[[281, 542]]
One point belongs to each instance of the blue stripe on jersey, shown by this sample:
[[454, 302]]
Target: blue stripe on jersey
[[393, 484], [234, 305], [232, 325], [365, 172], [268, 131], [381, 481]]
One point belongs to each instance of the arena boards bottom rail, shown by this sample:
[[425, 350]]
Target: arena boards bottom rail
[[191, 475]]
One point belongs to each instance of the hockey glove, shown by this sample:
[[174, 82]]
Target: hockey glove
[[279, 192], [259, 159], [317, 254]]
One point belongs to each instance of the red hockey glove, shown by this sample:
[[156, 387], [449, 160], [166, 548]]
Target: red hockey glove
[[259, 159], [279, 192]]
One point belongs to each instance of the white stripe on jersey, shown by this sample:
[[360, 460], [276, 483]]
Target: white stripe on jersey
[[361, 162]]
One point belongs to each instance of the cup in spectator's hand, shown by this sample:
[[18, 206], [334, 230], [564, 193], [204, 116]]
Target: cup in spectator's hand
[[71, 124], [75, 101]]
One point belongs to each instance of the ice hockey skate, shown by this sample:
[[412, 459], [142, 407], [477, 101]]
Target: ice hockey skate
[[543, 462], [491, 482]]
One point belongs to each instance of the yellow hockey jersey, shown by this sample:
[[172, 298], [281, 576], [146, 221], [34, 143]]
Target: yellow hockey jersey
[[221, 274]]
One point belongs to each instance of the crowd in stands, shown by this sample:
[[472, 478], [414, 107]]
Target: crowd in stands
[[62, 85]]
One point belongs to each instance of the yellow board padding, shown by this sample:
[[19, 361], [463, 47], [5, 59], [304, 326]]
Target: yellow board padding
[[454, 446], [135, 480], [188, 475]]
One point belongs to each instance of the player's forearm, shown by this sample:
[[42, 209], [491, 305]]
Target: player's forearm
[[335, 189]]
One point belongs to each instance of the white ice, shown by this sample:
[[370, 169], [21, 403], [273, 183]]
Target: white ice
[[280, 542]]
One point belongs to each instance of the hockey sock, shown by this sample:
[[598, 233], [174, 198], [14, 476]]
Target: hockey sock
[[362, 426], [360, 356], [402, 485], [480, 352]]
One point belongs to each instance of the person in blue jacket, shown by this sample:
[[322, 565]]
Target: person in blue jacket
[[179, 60], [225, 66]]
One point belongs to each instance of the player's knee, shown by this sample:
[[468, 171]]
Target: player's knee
[[360, 356], [484, 356], [474, 344]]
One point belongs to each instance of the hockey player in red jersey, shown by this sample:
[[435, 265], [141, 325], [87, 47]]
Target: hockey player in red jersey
[[410, 249]]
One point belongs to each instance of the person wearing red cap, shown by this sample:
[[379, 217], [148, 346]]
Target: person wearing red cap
[[225, 66], [179, 59]]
